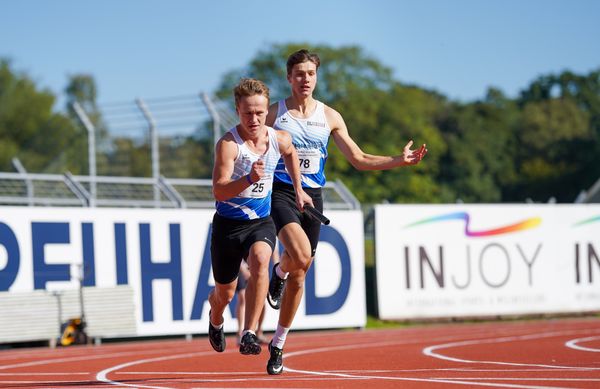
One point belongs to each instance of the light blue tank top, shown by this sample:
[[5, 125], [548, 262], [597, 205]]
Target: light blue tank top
[[310, 136], [255, 201]]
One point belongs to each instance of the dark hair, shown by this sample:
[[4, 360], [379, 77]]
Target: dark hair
[[301, 56], [250, 87]]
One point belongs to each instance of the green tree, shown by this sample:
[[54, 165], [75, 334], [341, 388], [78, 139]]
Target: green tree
[[29, 128], [381, 115], [479, 165], [560, 135]]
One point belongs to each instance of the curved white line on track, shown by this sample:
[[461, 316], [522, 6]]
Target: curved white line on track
[[102, 375], [431, 350], [414, 379], [51, 360], [573, 344]]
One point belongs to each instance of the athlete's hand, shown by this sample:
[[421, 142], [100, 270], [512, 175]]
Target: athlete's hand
[[413, 157], [302, 199], [257, 171]]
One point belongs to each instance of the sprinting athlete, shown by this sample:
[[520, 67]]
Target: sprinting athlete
[[310, 123], [245, 160]]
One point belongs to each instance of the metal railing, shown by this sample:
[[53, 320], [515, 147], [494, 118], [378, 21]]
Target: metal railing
[[31, 189], [147, 118]]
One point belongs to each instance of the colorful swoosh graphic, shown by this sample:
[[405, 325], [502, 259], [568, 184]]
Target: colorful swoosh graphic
[[520, 226], [587, 221]]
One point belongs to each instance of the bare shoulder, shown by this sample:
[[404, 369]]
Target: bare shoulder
[[226, 139], [334, 118], [226, 145], [283, 137]]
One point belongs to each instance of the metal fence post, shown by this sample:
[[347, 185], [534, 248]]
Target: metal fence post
[[28, 183], [214, 115], [155, 152], [87, 123]]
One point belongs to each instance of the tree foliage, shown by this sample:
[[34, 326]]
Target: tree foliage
[[543, 144], [29, 129]]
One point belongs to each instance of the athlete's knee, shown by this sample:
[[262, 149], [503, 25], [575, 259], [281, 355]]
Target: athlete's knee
[[223, 295], [301, 256], [258, 262], [296, 279]]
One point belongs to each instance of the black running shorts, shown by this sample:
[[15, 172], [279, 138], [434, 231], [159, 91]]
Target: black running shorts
[[231, 240], [284, 211]]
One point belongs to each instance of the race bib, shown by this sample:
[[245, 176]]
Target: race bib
[[258, 190], [310, 160]]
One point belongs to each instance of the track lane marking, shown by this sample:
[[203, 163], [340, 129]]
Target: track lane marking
[[573, 344], [430, 351]]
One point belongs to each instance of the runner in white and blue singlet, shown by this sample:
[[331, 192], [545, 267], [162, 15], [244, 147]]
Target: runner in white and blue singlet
[[310, 137], [310, 123], [254, 202], [245, 161]]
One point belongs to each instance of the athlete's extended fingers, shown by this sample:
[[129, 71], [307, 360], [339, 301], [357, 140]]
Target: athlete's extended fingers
[[408, 146]]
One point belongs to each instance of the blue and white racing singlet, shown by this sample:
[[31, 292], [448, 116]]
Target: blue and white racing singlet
[[310, 136], [255, 201]]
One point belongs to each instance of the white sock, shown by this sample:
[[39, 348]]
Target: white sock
[[283, 275], [217, 327], [279, 337], [250, 331]]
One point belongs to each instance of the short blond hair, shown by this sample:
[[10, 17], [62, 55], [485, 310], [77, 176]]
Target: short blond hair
[[250, 87]]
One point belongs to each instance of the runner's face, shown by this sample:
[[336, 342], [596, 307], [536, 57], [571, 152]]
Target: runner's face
[[252, 111], [303, 78]]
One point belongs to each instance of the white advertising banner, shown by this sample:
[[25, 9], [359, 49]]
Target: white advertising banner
[[164, 255], [435, 261]]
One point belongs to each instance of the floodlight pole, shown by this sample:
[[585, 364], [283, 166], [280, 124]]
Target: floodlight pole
[[155, 152], [87, 123]]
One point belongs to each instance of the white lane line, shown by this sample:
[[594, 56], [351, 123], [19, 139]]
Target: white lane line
[[573, 344], [102, 375], [431, 350], [431, 380], [244, 373], [519, 379], [456, 369], [72, 359], [42, 374]]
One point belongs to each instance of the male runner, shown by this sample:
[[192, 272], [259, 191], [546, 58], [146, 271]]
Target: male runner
[[310, 123], [245, 159]]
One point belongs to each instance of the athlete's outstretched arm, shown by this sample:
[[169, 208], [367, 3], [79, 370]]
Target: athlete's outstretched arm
[[292, 164], [363, 161]]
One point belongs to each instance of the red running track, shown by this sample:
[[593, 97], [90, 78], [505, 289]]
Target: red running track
[[561, 353]]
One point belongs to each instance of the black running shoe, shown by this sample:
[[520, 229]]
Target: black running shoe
[[250, 345], [275, 364], [216, 337], [276, 285]]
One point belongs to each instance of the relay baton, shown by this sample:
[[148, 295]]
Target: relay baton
[[312, 211]]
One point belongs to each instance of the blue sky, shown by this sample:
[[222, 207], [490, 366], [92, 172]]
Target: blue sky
[[166, 48]]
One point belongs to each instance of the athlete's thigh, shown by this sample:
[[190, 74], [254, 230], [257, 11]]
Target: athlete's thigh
[[312, 226], [295, 241], [226, 251]]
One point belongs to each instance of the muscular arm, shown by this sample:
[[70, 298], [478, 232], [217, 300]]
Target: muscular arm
[[223, 186], [361, 160]]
